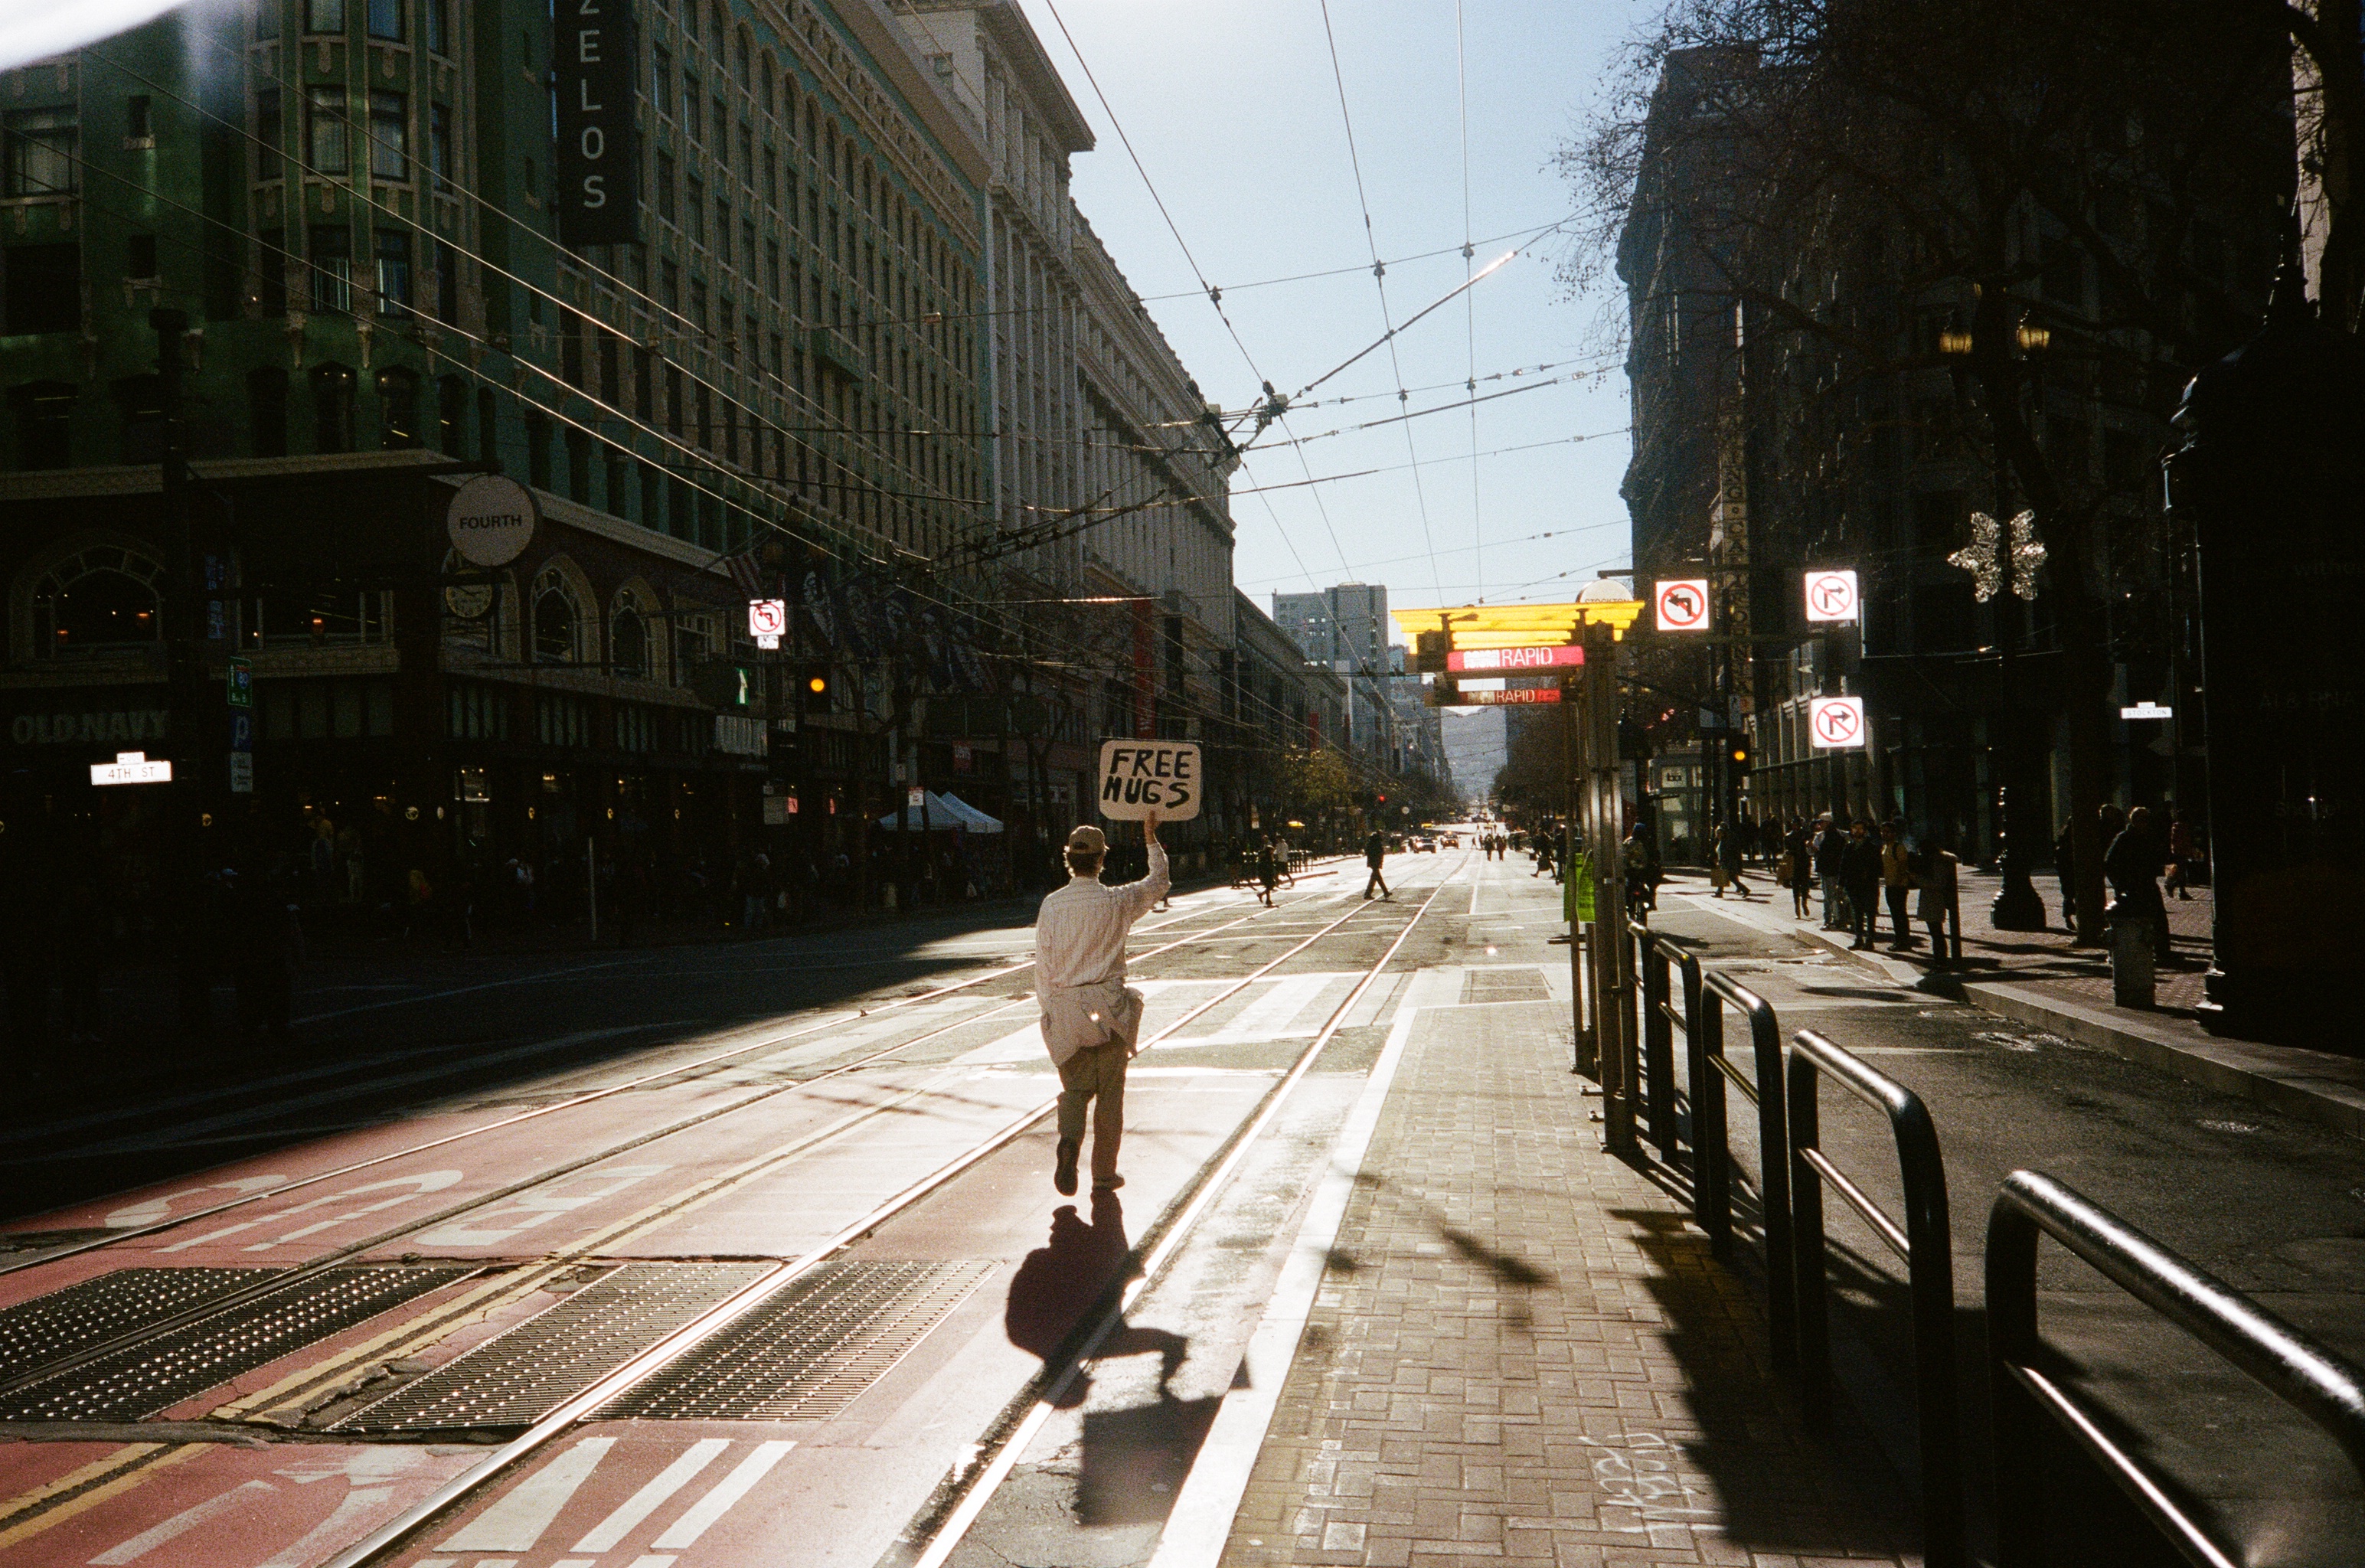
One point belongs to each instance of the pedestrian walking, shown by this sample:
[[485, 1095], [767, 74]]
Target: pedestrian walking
[[1268, 869], [1830, 848], [1895, 884], [1936, 903], [1727, 847], [1641, 857], [1091, 1019], [1375, 854], [1799, 868], [2182, 854], [1860, 874], [2132, 863], [2065, 866]]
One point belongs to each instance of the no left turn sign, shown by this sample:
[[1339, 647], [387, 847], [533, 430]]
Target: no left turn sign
[[1682, 604], [1837, 721]]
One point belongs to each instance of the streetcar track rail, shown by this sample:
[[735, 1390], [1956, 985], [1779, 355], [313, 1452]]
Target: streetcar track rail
[[836, 1018], [1185, 1212], [282, 1280]]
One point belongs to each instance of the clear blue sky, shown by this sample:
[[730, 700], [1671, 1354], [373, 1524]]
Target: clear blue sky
[[1235, 112]]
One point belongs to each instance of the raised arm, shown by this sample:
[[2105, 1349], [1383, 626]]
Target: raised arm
[[1140, 896]]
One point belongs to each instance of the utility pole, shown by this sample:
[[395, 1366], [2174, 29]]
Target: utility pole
[[185, 652], [1600, 802]]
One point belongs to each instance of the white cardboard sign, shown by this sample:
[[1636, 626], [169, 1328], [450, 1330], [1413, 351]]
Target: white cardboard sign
[[1141, 776]]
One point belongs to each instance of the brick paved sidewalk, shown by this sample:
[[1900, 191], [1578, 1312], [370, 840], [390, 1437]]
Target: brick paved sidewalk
[[1523, 1352], [2048, 960]]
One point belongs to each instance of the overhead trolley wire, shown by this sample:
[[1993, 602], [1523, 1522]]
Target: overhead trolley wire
[[1380, 281]]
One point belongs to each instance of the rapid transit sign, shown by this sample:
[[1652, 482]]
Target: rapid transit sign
[[1507, 659]]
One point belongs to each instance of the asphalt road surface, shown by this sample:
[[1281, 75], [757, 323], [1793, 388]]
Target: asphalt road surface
[[749, 1253]]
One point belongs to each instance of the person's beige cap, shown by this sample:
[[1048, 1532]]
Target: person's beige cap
[[1088, 840]]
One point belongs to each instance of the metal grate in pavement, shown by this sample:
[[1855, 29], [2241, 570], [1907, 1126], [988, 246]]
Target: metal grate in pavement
[[1505, 985], [142, 1379], [807, 1355], [518, 1376], [125, 1301]]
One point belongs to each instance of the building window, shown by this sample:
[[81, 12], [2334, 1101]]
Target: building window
[[333, 408], [41, 152], [390, 130], [556, 620], [694, 209], [578, 466], [439, 142], [325, 147], [446, 265], [137, 125], [438, 15], [331, 248], [661, 79], [44, 412], [385, 19], [268, 129], [722, 229], [691, 110], [397, 403], [393, 272], [98, 600], [451, 415], [665, 187], [271, 276], [628, 640], [266, 412], [669, 286], [140, 256], [616, 480], [324, 15]]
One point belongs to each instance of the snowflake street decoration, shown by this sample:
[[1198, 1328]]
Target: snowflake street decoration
[[1985, 556]]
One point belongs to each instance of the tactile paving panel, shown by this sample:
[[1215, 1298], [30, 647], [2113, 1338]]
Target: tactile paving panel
[[807, 1355], [1505, 985], [70, 1321], [142, 1379], [517, 1377]]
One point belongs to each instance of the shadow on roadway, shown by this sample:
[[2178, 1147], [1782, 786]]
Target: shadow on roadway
[[1132, 1459]]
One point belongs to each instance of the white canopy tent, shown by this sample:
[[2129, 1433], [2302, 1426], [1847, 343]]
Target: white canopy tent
[[944, 812]]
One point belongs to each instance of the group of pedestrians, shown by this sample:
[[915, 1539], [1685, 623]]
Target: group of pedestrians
[[1861, 868]]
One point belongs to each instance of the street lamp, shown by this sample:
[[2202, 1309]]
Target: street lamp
[[2000, 558]]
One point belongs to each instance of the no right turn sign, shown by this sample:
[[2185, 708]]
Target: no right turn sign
[[1837, 723]]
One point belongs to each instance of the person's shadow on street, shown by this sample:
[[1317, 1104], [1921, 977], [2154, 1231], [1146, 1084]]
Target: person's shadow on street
[[1131, 1459]]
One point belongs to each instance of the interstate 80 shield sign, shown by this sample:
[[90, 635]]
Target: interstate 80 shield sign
[[1141, 776]]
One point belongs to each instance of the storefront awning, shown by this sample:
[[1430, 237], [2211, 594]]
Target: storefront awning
[[947, 812]]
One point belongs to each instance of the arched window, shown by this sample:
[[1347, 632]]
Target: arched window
[[764, 70], [332, 407], [628, 639], [744, 60], [98, 600], [397, 403], [557, 620]]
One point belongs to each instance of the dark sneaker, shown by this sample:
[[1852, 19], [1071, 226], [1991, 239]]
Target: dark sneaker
[[1063, 1175]]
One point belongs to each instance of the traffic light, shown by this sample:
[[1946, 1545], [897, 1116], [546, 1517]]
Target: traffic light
[[1445, 691], [814, 683], [1429, 651], [1740, 753]]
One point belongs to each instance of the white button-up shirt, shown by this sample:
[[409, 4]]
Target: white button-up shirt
[[1079, 958]]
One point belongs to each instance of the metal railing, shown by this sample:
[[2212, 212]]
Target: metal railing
[[1654, 954], [2319, 1384], [1923, 1242], [1712, 1178]]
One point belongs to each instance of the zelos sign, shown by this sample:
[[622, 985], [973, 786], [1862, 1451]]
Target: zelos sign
[[1141, 776], [591, 66]]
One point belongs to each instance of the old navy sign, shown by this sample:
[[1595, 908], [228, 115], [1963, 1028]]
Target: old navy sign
[[592, 57], [1514, 658], [101, 729]]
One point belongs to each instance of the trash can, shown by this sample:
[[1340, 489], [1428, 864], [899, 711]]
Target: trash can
[[2131, 956]]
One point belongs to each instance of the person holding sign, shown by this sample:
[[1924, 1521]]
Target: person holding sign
[[1091, 1020]]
